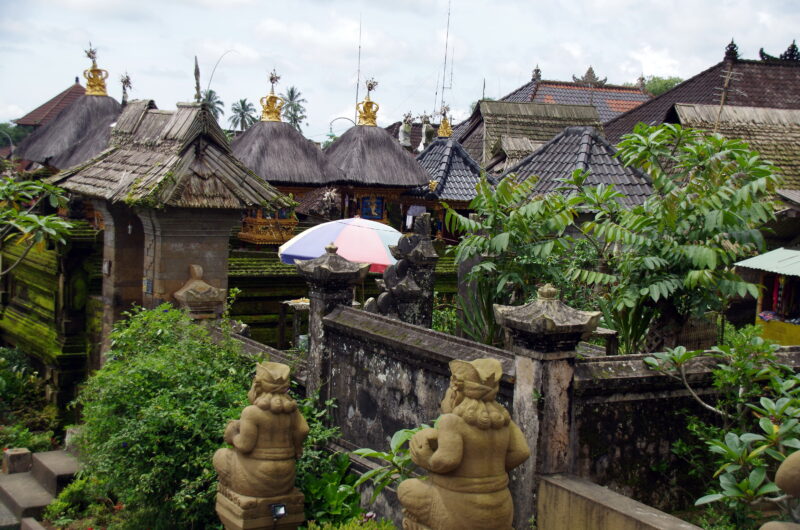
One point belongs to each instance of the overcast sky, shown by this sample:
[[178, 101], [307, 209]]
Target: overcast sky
[[314, 46]]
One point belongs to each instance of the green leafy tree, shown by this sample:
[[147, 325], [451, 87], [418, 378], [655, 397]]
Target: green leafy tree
[[21, 219], [293, 110], [215, 104], [656, 85], [13, 133], [243, 115]]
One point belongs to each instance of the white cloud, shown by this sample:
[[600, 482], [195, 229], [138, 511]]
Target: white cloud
[[9, 111], [654, 62]]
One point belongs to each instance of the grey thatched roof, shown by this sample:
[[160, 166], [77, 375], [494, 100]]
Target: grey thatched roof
[[78, 133], [775, 133], [369, 156], [491, 120], [276, 152], [582, 148], [455, 172], [170, 158]]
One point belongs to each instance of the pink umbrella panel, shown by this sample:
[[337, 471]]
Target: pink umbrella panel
[[358, 240]]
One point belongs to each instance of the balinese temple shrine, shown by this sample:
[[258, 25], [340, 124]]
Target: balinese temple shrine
[[452, 178], [377, 170], [80, 131], [278, 153], [170, 191]]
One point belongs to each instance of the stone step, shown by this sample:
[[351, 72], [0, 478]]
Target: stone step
[[54, 470], [23, 495], [8, 521], [29, 523]]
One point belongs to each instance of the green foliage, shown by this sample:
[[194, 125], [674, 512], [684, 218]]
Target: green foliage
[[154, 415], [21, 220], [758, 401], [85, 499], [19, 436], [399, 465], [293, 109], [353, 524], [331, 497], [15, 133], [215, 105], [445, 317]]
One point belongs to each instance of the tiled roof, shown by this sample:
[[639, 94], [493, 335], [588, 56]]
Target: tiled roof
[[452, 168], [582, 148], [775, 133], [50, 109], [774, 84], [538, 122]]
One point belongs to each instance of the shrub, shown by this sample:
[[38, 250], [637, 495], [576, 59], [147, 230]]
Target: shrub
[[155, 413]]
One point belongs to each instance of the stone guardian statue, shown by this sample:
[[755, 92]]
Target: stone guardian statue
[[469, 454], [256, 477]]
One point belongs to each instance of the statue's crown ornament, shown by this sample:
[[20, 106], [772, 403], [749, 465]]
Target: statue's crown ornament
[[368, 109], [95, 77], [445, 130], [272, 105]]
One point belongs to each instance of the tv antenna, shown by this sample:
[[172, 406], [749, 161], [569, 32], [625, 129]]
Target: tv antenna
[[358, 71]]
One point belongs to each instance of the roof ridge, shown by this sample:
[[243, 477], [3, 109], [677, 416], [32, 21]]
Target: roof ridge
[[584, 151]]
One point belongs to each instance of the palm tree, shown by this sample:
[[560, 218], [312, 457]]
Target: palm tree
[[293, 110], [215, 105], [243, 114]]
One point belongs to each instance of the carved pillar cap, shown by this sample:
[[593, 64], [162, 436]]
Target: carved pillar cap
[[331, 268], [547, 324]]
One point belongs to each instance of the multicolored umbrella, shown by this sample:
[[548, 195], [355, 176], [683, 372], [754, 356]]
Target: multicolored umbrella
[[359, 240]]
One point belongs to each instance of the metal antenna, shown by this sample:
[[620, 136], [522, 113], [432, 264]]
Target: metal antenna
[[446, 42], [436, 93], [358, 72]]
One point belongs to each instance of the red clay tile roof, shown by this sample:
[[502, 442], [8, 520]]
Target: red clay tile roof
[[49, 110], [609, 100], [774, 84]]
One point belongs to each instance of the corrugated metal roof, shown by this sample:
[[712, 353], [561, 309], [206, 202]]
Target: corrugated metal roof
[[780, 261]]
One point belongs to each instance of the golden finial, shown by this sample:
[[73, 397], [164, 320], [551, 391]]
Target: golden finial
[[432, 184], [95, 77], [368, 109], [444, 127], [272, 105]]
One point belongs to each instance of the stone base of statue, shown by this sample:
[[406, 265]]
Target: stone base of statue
[[240, 512]]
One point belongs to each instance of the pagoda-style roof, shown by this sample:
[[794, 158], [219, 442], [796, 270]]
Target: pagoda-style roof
[[452, 173], [370, 156], [276, 152], [78, 133], [772, 83], [539, 122], [47, 111], [170, 158], [582, 148]]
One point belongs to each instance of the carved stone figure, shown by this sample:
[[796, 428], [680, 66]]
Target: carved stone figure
[[201, 299], [469, 454], [258, 473]]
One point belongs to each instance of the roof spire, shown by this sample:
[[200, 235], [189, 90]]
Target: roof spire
[[731, 51], [368, 109], [197, 96], [271, 105], [444, 127], [125, 80], [537, 74], [642, 83], [590, 79], [95, 77]]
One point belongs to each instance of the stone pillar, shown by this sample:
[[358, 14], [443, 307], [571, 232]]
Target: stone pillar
[[123, 257], [543, 336], [408, 284], [331, 279]]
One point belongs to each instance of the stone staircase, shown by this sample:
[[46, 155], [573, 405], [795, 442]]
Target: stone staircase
[[25, 493]]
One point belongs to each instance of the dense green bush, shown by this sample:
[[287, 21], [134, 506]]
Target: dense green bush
[[155, 413]]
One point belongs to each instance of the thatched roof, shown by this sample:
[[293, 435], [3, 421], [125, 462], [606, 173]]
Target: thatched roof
[[170, 158], [582, 148], [276, 152], [369, 156], [775, 133], [78, 133]]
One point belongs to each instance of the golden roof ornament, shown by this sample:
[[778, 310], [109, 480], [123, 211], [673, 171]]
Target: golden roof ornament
[[95, 77], [445, 130], [368, 109], [432, 185], [272, 105]]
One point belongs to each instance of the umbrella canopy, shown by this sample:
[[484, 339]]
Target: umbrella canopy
[[359, 240]]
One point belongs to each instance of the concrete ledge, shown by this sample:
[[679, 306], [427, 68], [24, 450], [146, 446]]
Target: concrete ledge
[[565, 501]]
